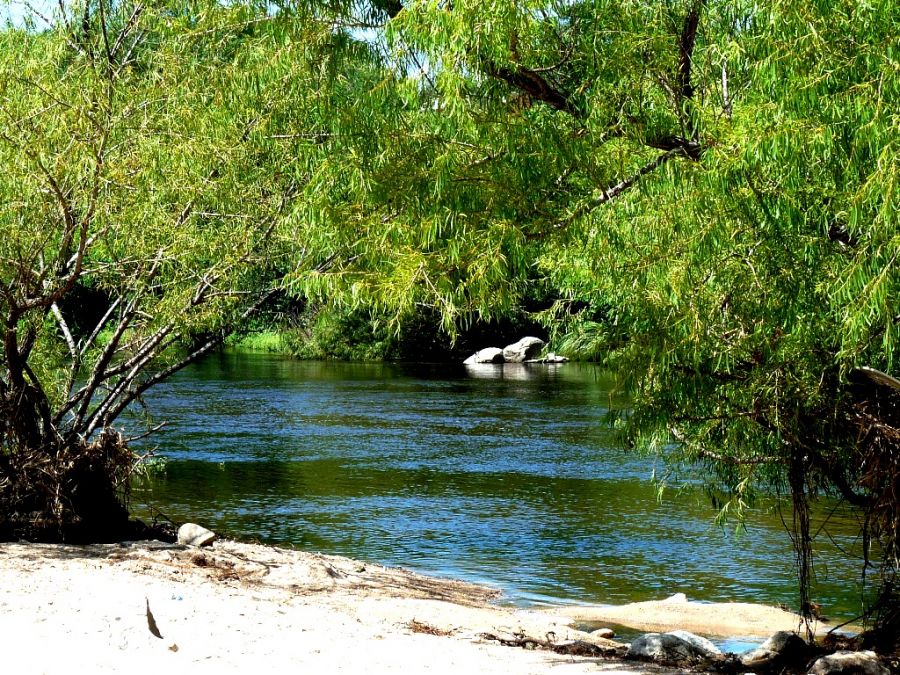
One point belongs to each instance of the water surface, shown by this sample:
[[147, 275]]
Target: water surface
[[505, 475]]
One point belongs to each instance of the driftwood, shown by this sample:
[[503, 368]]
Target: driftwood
[[566, 647]]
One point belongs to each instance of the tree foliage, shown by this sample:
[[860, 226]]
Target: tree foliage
[[148, 197], [707, 187]]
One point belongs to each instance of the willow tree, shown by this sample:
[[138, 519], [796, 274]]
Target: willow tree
[[147, 193], [753, 293], [708, 187]]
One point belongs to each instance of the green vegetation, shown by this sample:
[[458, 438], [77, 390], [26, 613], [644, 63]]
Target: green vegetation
[[141, 207], [700, 193], [263, 341]]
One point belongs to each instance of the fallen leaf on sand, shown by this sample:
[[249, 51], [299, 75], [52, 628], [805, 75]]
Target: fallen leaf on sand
[[151, 622]]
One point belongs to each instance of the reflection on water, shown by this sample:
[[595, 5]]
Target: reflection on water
[[514, 371], [506, 475]]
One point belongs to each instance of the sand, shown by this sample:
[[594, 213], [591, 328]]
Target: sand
[[238, 607], [724, 619]]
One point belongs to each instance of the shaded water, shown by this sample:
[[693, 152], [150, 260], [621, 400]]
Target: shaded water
[[507, 475]]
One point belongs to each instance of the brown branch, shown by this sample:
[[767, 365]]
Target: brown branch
[[127, 398], [104, 32], [611, 193], [11, 347], [42, 404], [690, 148], [126, 29], [536, 86], [686, 49]]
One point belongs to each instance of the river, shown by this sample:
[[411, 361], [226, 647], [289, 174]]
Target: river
[[505, 475]]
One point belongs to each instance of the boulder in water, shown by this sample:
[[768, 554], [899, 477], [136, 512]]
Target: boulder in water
[[524, 349], [488, 355]]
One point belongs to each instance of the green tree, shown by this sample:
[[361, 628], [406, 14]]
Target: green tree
[[149, 196], [708, 186]]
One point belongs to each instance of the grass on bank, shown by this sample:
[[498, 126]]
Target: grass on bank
[[269, 341]]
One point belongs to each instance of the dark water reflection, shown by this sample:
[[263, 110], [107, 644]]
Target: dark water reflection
[[508, 476]]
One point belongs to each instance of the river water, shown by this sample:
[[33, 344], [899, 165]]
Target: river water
[[504, 475]]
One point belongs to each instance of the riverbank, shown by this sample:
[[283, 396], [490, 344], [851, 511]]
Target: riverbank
[[236, 606]]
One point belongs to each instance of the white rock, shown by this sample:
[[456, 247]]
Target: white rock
[[677, 647], [699, 643], [606, 633], [191, 534], [858, 663], [678, 597], [782, 649], [489, 355], [524, 349]]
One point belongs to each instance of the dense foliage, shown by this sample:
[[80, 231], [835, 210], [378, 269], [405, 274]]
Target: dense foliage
[[707, 189], [147, 213]]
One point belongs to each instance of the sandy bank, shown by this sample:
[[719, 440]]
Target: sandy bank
[[240, 607], [724, 619]]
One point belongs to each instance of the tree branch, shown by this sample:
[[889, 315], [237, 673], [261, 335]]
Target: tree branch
[[536, 86], [686, 49], [127, 398], [67, 334], [611, 193]]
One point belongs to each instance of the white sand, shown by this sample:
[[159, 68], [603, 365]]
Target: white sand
[[724, 619], [240, 608]]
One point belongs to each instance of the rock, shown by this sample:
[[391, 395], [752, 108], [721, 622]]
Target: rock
[[677, 597], [676, 648], [489, 355], [784, 649], [191, 534], [849, 663], [699, 643], [605, 633], [524, 349]]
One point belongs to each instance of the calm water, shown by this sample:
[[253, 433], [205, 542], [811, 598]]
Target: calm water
[[505, 475]]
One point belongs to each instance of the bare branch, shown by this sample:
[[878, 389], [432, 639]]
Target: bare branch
[[67, 334], [98, 372], [147, 433], [126, 29], [611, 193], [127, 398], [86, 344]]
